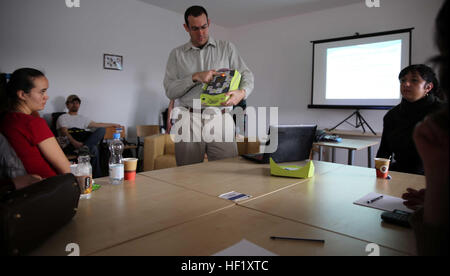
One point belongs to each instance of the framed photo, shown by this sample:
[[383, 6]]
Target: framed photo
[[112, 62]]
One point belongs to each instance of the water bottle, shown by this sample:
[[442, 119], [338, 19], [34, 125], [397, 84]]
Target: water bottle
[[116, 168], [83, 174]]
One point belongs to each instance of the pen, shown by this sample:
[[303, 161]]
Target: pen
[[375, 199], [296, 239]]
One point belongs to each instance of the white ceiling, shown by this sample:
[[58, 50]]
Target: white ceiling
[[235, 13]]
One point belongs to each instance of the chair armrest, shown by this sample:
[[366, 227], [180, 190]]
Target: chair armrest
[[153, 147]]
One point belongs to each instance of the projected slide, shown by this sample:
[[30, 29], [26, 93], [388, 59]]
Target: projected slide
[[365, 71], [360, 71]]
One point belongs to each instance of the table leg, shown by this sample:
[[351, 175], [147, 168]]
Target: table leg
[[320, 153], [351, 156], [333, 155], [369, 157]]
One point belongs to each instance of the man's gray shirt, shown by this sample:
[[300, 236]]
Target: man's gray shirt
[[187, 59]]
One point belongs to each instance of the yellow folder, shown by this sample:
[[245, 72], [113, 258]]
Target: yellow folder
[[292, 171]]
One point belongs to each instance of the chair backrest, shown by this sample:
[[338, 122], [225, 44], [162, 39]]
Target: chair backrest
[[147, 130], [55, 116], [109, 134]]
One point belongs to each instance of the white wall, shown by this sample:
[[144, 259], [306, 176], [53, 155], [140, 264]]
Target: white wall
[[280, 54], [68, 45]]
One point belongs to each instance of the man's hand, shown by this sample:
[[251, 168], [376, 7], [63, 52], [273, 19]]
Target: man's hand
[[204, 77], [236, 97], [76, 144]]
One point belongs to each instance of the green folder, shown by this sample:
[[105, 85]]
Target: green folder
[[292, 171]]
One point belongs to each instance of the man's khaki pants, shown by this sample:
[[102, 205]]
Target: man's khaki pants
[[212, 132]]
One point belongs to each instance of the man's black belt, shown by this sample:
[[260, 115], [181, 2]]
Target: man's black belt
[[203, 109]]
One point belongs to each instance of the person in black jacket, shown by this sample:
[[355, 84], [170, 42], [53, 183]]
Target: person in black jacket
[[419, 87], [430, 220]]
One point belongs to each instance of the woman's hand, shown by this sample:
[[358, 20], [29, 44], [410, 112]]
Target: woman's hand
[[414, 199]]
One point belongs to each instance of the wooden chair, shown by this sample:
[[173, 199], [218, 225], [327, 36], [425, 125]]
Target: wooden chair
[[248, 147], [159, 152], [109, 135], [143, 131]]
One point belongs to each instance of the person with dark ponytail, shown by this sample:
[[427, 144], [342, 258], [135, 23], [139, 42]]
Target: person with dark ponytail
[[419, 88], [29, 136]]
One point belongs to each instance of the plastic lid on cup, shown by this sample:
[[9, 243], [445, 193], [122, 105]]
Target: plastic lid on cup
[[116, 136]]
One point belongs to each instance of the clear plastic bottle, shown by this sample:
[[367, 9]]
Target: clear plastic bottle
[[84, 176], [116, 167]]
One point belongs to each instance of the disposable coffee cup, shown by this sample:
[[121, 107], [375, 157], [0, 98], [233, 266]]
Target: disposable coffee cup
[[130, 168], [382, 167], [130, 175]]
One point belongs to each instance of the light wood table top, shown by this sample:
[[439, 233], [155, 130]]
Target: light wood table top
[[234, 174], [352, 144], [177, 212], [326, 202], [118, 213], [215, 232]]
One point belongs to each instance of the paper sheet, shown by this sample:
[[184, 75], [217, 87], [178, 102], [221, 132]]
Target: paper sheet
[[245, 248], [387, 203]]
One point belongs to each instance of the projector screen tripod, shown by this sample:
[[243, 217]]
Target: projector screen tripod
[[360, 122]]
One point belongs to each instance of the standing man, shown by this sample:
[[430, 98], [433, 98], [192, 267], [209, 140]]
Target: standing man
[[188, 68], [73, 126]]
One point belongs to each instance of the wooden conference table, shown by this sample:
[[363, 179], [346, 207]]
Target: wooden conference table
[[177, 211]]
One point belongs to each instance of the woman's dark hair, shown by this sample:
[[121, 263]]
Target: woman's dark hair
[[21, 79], [426, 73], [195, 11]]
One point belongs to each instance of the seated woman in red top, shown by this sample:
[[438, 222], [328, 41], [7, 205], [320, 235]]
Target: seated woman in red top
[[30, 136]]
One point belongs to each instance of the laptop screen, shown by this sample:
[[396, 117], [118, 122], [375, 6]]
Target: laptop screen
[[293, 142]]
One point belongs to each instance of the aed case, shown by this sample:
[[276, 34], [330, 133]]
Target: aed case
[[214, 92]]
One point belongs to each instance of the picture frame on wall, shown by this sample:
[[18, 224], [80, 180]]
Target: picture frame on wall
[[112, 62]]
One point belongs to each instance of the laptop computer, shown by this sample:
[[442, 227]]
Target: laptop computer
[[294, 144]]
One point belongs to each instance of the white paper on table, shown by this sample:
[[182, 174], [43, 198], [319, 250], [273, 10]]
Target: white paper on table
[[387, 203], [245, 248]]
